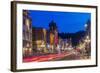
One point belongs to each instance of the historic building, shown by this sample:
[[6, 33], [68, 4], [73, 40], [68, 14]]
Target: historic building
[[27, 34], [85, 42], [53, 36], [88, 38], [42, 38], [39, 39]]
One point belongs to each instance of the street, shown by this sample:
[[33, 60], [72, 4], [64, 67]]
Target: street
[[72, 55]]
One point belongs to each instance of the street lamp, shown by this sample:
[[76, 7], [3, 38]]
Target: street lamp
[[87, 37], [87, 40], [85, 25]]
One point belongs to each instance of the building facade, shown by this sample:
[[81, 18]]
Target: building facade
[[88, 38], [27, 34], [39, 40], [85, 42]]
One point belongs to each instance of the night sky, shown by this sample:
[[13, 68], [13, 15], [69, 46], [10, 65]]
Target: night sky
[[67, 22]]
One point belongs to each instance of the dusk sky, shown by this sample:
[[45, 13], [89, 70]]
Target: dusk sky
[[68, 22]]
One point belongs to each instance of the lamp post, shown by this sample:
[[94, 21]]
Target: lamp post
[[87, 40], [85, 26]]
